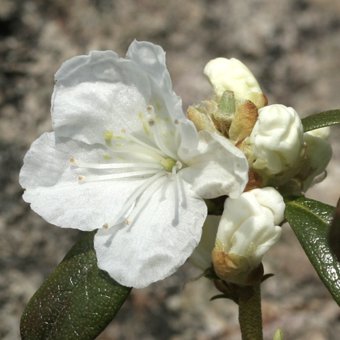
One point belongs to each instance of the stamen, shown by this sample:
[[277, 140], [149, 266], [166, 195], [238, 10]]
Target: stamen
[[175, 220], [184, 202], [80, 164], [130, 174], [145, 145], [131, 201], [159, 141], [146, 196], [179, 192], [138, 151]]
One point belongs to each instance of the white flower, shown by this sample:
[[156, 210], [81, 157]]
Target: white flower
[[276, 139], [247, 229], [232, 75], [124, 159], [318, 154]]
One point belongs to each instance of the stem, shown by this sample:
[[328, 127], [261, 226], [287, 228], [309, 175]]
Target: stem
[[250, 317]]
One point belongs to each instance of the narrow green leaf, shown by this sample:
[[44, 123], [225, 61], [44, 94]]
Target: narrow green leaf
[[334, 233], [77, 300], [321, 119], [311, 221]]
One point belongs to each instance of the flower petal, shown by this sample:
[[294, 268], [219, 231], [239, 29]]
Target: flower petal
[[98, 93], [152, 247], [270, 198], [151, 58], [55, 194], [276, 139], [101, 93], [216, 167]]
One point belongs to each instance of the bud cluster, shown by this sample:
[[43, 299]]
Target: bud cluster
[[280, 156]]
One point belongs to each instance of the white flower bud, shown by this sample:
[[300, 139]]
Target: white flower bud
[[247, 229], [232, 75], [276, 139], [318, 154]]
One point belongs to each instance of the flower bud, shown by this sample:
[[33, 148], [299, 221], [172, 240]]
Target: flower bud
[[212, 115], [243, 122], [247, 229], [276, 140], [232, 75], [318, 153], [201, 116]]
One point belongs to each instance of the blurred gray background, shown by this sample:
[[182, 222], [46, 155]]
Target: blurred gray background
[[293, 48]]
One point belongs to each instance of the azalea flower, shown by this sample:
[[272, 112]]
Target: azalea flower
[[125, 160]]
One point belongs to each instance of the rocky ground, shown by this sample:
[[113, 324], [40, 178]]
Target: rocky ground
[[293, 48]]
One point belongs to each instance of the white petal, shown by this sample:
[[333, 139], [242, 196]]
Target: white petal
[[151, 58], [271, 199], [255, 236], [201, 257], [247, 227], [277, 139], [101, 92], [152, 247], [236, 211], [216, 168], [98, 93], [55, 194], [188, 138]]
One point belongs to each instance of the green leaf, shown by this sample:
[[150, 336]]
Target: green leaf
[[334, 233], [77, 300], [311, 221], [321, 119]]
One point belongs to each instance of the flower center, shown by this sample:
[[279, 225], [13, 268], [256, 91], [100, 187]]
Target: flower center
[[147, 158], [168, 164]]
